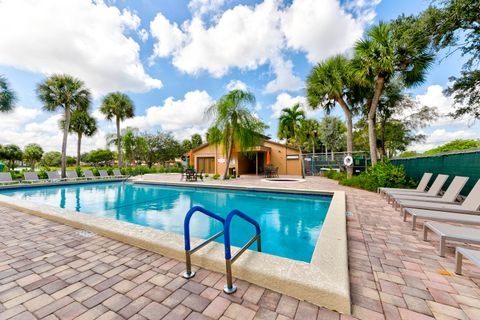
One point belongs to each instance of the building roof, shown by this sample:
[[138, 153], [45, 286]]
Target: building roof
[[265, 141]]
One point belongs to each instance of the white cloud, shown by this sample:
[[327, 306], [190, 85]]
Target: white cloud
[[143, 34], [81, 37], [169, 36], [442, 136], [181, 117], [236, 85], [31, 125], [285, 80], [201, 7], [284, 100], [320, 28]]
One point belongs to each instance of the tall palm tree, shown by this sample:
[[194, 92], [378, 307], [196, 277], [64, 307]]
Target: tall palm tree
[[7, 96], [119, 106], [82, 124], [62, 91], [289, 128], [214, 137], [236, 122], [385, 55], [329, 83]]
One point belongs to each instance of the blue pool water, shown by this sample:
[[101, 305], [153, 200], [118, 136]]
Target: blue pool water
[[290, 223]]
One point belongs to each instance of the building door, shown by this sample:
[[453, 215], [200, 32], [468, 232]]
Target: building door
[[207, 164]]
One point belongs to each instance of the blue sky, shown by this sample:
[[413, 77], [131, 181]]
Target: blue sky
[[176, 57]]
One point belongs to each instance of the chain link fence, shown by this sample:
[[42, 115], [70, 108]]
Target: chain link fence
[[316, 163]]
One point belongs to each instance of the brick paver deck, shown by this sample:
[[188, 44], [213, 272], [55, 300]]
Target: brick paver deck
[[52, 271]]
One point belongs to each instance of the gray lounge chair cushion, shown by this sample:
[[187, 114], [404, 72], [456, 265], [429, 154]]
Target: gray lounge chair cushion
[[117, 173], [53, 175], [444, 216], [31, 176], [434, 189], [103, 173], [455, 233], [6, 177], [422, 185], [450, 194], [472, 255], [72, 174]]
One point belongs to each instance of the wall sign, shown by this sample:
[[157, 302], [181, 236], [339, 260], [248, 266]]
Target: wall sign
[[293, 156]]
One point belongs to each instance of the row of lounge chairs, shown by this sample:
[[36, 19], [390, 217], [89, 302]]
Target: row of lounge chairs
[[54, 176], [429, 205]]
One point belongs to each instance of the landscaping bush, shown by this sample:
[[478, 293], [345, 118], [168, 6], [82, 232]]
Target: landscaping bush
[[216, 176]]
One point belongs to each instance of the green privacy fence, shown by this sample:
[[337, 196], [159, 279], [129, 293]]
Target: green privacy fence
[[465, 164]]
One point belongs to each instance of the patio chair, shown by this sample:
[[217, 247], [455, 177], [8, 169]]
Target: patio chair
[[31, 177], [54, 176], [6, 178], [450, 195], [472, 255], [433, 191], [470, 205], [422, 185], [442, 216], [104, 174], [118, 174], [72, 175], [448, 232], [89, 175]]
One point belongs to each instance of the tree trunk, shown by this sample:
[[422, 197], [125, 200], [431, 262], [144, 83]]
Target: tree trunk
[[372, 134], [32, 165], [64, 142], [119, 144], [229, 156], [301, 157], [348, 116], [79, 147], [382, 137]]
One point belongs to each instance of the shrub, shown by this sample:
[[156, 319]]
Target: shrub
[[206, 175], [216, 176]]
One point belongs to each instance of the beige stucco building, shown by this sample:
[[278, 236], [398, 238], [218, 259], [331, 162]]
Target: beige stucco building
[[212, 159]]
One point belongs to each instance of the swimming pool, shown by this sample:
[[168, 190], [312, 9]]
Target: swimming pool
[[290, 223]]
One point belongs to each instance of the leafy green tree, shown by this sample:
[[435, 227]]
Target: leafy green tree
[[51, 159], [118, 106], [407, 154], [82, 124], [129, 142], [99, 156], [196, 140], [7, 96], [160, 147], [455, 145], [214, 137], [11, 153], [186, 145], [61, 91], [32, 153], [330, 83], [289, 126], [388, 53], [332, 134], [234, 119], [310, 134]]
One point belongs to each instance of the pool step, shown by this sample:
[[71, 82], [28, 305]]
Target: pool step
[[229, 259]]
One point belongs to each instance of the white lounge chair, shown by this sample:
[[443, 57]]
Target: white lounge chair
[[422, 185], [470, 205], [54, 176], [433, 191], [31, 177], [442, 216], [472, 255], [448, 232], [89, 175], [104, 174], [6, 178], [72, 175], [118, 174], [450, 194]]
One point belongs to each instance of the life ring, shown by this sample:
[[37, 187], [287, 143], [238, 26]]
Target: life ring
[[348, 161]]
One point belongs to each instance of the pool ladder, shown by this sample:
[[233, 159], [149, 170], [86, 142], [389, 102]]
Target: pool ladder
[[229, 288]]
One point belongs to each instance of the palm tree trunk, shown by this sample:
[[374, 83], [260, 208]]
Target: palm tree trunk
[[372, 134], [64, 142], [229, 156], [382, 137], [79, 147], [301, 157], [119, 144], [348, 116]]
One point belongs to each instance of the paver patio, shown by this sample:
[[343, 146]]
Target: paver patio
[[52, 271]]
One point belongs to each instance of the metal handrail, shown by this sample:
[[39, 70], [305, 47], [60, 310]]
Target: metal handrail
[[186, 226], [229, 259]]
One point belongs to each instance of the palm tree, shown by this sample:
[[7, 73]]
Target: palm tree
[[215, 138], [236, 122], [289, 128], [82, 124], [329, 83], [119, 106], [385, 55], [7, 96], [61, 91]]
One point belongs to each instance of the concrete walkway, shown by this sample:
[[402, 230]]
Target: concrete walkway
[[52, 271]]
